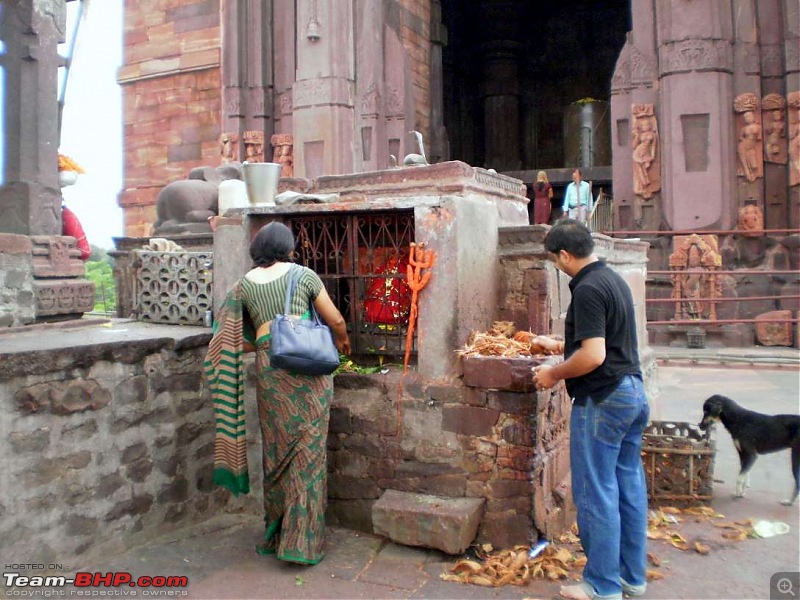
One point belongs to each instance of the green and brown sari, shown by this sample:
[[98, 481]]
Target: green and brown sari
[[293, 414]]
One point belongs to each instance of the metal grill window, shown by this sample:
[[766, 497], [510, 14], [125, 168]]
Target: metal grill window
[[362, 260]]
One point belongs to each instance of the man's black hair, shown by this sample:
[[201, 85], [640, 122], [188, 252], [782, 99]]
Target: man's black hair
[[572, 236], [274, 242]]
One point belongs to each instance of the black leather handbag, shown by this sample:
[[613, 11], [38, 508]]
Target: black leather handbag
[[301, 346]]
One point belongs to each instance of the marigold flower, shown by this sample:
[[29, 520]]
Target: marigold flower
[[65, 163]]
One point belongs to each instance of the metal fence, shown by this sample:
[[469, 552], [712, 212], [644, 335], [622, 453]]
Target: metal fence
[[362, 258], [601, 219]]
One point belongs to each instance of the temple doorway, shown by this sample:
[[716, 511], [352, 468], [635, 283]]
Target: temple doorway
[[511, 69]]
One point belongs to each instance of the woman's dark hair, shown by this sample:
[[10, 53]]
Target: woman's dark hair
[[540, 185], [572, 236], [274, 242]]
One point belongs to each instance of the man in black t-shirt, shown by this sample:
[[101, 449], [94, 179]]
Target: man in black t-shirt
[[609, 414]]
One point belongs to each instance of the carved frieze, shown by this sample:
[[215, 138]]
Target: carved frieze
[[750, 144], [253, 146], [642, 71], [773, 111], [56, 256], [794, 137], [371, 101], [322, 92], [633, 69], [258, 99], [695, 55], [645, 151], [394, 102], [233, 102], [621, 79], [286, 103], [64, 297]]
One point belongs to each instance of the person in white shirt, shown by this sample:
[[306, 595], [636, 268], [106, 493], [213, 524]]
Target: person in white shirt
[[578, 201]]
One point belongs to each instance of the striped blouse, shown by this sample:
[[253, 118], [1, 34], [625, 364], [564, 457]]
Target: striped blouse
[[264, 301]]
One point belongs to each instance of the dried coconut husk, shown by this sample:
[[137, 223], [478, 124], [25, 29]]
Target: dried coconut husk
[[505, 328], [486, 344], [513, 567]]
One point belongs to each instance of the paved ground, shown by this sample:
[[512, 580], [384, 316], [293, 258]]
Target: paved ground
[[219, 561]]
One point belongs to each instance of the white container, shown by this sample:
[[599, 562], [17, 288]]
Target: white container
[[261, 180], [232, 194]]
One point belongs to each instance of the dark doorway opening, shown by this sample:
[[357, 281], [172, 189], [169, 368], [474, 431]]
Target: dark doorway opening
[[511, 69]]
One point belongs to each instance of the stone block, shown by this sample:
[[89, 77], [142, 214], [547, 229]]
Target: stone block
[[447, 524], [508, 374], [774, 333], [514, 403], [469, 420]]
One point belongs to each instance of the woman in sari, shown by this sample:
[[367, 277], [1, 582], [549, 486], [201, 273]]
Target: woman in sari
[[293, 409]]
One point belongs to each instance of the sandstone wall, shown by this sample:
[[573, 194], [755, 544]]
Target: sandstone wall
[[172, 104]]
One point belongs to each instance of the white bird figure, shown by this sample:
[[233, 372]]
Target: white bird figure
[[416, 160]]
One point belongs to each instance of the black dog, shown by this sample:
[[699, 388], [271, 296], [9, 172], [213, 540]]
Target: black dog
[[754, 434]]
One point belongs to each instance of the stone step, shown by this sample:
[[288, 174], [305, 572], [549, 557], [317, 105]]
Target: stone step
[[447, 524]]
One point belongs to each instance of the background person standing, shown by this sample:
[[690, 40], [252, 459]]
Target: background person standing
[[578, 201]]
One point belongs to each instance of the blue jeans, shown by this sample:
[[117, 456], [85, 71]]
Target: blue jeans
[[609, 488]]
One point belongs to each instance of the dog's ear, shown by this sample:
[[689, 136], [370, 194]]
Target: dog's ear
[[714, 405]]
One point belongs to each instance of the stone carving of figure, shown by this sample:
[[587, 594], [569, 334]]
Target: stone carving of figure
[[794, 138], [646, 173], [751, 220], [229, 143], [644, 153], [695, 281], [750, 163], [774, 129], [283, 154], [253, 146]]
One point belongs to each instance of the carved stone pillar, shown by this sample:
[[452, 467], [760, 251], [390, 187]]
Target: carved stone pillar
[[30, 201], [633, 83], [323, 103], [247, 78], [695, 53]]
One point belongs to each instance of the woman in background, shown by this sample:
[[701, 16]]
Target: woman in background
[[293, 409], [542, 193]]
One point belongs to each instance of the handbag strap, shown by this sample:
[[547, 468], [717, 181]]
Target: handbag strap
[[295, 273]]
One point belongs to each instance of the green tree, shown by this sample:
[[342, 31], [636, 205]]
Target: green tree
[[101, 274]]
